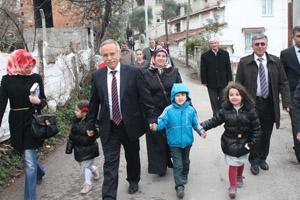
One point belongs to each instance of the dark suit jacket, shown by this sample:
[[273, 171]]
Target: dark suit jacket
[[215, 70], [133, 90], [291, 66]]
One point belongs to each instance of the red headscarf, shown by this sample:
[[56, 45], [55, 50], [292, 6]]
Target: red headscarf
[[18, 62]]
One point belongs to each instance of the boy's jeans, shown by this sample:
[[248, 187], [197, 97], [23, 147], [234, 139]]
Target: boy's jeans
[[181, 163], [33, 171]]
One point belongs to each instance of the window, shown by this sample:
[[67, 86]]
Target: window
[[177, 27], [158, 18], [267, 7], [248, 39], [158, 2]]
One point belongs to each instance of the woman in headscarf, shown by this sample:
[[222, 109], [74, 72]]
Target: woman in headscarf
[[15, 87], [160, 77]]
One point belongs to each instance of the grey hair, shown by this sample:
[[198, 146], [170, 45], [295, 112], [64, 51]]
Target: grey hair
[[259, 36], [213, 39], [295, 29], [109, 41]]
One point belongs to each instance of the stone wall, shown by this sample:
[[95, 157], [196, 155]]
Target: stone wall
[[60, 40]]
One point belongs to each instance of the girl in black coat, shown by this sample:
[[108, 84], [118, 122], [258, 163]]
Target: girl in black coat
[[15, 87], [242, 131], [85, 147]]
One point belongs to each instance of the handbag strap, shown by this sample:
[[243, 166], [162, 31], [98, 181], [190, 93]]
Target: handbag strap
[[39, 111], [163, 88]]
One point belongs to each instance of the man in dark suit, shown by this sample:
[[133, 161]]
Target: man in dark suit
[[148, 51], [215, 73], [119, 89], [263, 76], [290, 59]]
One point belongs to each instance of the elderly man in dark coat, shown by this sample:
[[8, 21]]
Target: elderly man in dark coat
[[215, 73], [264, 78]]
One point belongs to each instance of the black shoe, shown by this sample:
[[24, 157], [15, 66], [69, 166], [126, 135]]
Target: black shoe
[[133, 188], [254, 169], [264, 165], [162, 175]]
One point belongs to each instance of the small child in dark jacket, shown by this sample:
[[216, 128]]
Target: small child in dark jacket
[[179, 119], [242, 131], [85, 147]]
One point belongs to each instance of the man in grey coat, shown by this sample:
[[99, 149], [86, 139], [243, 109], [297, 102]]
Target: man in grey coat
[[148, 51], [264, 78]]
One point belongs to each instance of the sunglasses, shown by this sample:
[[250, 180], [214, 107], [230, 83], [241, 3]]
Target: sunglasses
[[261, 44]]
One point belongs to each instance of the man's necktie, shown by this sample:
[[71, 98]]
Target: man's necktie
[[115, 102], [263, 81]]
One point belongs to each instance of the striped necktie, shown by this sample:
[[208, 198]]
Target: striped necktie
[[115, 102], [263, 81]]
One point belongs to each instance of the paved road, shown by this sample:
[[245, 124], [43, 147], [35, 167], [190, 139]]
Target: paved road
[[208, 179]]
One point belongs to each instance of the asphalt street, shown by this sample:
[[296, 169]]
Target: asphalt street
[[208, 178]]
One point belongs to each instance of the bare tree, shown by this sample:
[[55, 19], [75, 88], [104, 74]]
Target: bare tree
[[102, 12], [11, 36]]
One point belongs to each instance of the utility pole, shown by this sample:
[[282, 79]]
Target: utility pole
[[166, 22], [146, 22], [187, 34]]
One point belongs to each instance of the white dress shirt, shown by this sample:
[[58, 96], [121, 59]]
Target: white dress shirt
[[215, 52], [109, 81], [264, 62]]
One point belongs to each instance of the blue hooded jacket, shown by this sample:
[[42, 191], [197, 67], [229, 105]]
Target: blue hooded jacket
[[179, 121]]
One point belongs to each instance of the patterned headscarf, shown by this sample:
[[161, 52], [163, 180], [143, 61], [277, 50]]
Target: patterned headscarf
[[18, 62]]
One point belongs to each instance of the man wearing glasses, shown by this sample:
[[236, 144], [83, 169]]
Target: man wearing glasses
[[264, 78]]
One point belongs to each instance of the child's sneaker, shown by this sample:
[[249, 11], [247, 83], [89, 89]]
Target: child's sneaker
[[86, 188], [239, 181], [184, 179], [96, 175], [180, 192], [232, 191]]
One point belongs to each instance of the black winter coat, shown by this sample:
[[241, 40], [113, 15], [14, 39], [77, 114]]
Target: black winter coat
[[85, 147], [168, 78], [240, 128], [215, 70], [17, 90]]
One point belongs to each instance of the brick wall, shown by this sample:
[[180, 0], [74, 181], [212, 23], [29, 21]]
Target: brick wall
[[62, 15], [27, 14]]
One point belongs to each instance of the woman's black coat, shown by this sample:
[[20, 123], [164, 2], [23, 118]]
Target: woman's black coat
[[17, 90], [157, 147], [240, 128], [85, 147], [168, 78]]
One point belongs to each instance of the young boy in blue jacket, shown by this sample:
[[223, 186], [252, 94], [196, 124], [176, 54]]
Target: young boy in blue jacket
[[179, 119]]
